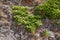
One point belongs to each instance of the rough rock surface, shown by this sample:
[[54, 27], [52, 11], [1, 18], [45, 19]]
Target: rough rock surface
[[5, 23], [10, 31]]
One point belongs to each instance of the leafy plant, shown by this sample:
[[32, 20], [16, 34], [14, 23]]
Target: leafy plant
[[50, 9], [46, 33], [58, 23], [20, 8], [26, 18]]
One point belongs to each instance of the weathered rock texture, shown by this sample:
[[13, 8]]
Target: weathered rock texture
[[9, 30]]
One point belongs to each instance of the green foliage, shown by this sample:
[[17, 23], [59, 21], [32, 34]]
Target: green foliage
[[46, 33], [58, 23], [20, 12], [24, 17], [51, 9], [31, 21], [20, 8]]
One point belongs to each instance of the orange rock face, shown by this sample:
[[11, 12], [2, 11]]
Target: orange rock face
[[27, 2]]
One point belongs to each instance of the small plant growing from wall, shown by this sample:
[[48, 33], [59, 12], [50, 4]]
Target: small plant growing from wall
[[46, 33], [26, 18], [32, 20], [58, 23], [50, 9]]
